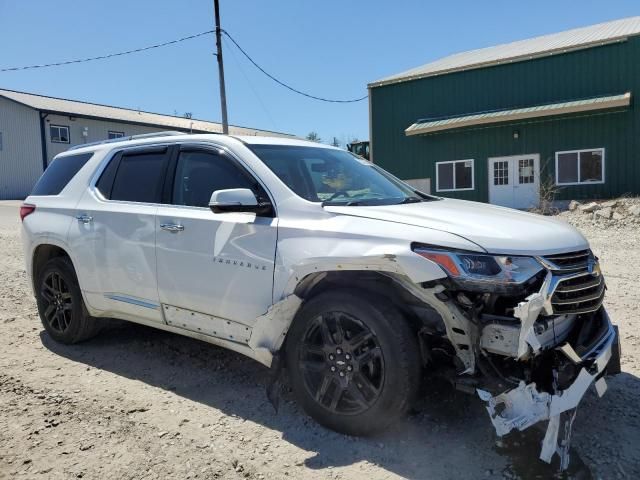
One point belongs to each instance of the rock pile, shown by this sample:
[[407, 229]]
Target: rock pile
[[621, 210]]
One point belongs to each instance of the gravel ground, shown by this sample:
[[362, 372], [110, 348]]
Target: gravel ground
[[140, 403]]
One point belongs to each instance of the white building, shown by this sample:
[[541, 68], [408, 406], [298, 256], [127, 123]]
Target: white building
[[35, 128]]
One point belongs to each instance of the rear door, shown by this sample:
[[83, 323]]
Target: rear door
[[113, 236], [215, 271]]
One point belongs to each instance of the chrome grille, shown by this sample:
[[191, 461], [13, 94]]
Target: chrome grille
[[573, 261], [578, 293]]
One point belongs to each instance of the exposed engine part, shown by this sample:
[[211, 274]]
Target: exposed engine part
[[501, 335]]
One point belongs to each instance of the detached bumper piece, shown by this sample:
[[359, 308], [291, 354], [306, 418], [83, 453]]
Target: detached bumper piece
[[525, 406]]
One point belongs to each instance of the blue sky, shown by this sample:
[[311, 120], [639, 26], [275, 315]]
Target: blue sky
[[330, 48]]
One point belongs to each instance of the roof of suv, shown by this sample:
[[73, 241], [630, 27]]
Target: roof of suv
[[172, 137]]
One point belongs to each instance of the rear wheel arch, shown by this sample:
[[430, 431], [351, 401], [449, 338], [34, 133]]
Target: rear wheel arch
[[41, 255]]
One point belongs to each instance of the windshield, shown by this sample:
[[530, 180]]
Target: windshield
[[334, 177]]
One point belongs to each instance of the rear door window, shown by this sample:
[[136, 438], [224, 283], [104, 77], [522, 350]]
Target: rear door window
[[59, 173], [135, 177]]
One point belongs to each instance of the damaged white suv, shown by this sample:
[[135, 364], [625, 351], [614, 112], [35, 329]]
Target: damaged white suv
[[318, 263]]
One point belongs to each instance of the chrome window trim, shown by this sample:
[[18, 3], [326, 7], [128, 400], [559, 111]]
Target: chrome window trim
[[209, 145], [103, 165]]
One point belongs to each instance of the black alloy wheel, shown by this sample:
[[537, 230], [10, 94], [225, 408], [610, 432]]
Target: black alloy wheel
[[59, 302], [353, 361], [342, 363]]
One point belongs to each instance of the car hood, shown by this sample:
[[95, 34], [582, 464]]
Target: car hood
[[496, 229]]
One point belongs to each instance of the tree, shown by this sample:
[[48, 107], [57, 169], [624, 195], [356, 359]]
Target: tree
[[188, 115], [314, 137], [335, 142]]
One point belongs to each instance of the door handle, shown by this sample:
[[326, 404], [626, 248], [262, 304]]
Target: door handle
[[84, 218], [172, 227]]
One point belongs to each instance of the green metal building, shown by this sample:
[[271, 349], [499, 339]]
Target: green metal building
[[499, 124]]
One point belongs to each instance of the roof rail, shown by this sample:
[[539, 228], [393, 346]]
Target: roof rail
[[167, 133]]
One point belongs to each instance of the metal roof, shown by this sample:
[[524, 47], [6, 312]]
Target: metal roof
[[562, 108], [94, 110], [555, 43]]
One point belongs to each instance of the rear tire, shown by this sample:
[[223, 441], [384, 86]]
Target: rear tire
[[353, 361], [60, 304]]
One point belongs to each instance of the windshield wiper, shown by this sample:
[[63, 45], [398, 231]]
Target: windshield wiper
[[411, 200], [350, 203]]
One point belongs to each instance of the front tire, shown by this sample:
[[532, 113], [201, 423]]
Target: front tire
[[60, 304], [353, 361]]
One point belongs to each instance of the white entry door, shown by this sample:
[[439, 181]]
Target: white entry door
[[515, 181]]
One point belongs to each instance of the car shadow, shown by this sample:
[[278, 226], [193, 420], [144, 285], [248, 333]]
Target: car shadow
[[446, 430]]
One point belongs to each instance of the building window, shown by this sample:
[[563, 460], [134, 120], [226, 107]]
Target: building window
[[113, 135], [501, 173], [525, 171], [59, 134], [580, 166], [454, 175]]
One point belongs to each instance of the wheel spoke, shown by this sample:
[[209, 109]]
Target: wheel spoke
[[62, 323], [308, 349], [322, 390], [55, 282], [66, 296], [325, 332], [335, 399], [369, 355], [55, 322], [66, 319], [339, 336], [360, 339], [47, 292], [364, 383], [356, 394], [312, 366], [47, 313]]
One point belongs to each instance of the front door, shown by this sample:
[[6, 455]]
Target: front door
[[215, 270], [515, 181]]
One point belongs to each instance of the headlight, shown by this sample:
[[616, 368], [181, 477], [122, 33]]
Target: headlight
[[477, 268]]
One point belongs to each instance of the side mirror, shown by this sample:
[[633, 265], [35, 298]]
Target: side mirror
[[237, 200]]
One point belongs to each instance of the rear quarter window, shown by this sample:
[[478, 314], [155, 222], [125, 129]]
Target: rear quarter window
[[59, 173]]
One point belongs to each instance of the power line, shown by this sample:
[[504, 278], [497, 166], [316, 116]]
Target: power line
[[284, 84], [172, 42], [111, 55], [264, 107]]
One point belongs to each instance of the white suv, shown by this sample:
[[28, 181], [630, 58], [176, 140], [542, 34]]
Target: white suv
[[316, 262]]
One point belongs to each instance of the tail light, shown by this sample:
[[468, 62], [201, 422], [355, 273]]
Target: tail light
[[26, 209]]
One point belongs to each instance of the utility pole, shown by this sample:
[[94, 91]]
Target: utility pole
[[223, 94]]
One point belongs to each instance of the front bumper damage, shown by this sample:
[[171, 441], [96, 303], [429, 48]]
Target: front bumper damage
[[530, 355], [525, 406]]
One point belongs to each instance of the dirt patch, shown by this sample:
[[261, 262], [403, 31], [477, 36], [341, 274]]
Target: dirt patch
[[141, 403]]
